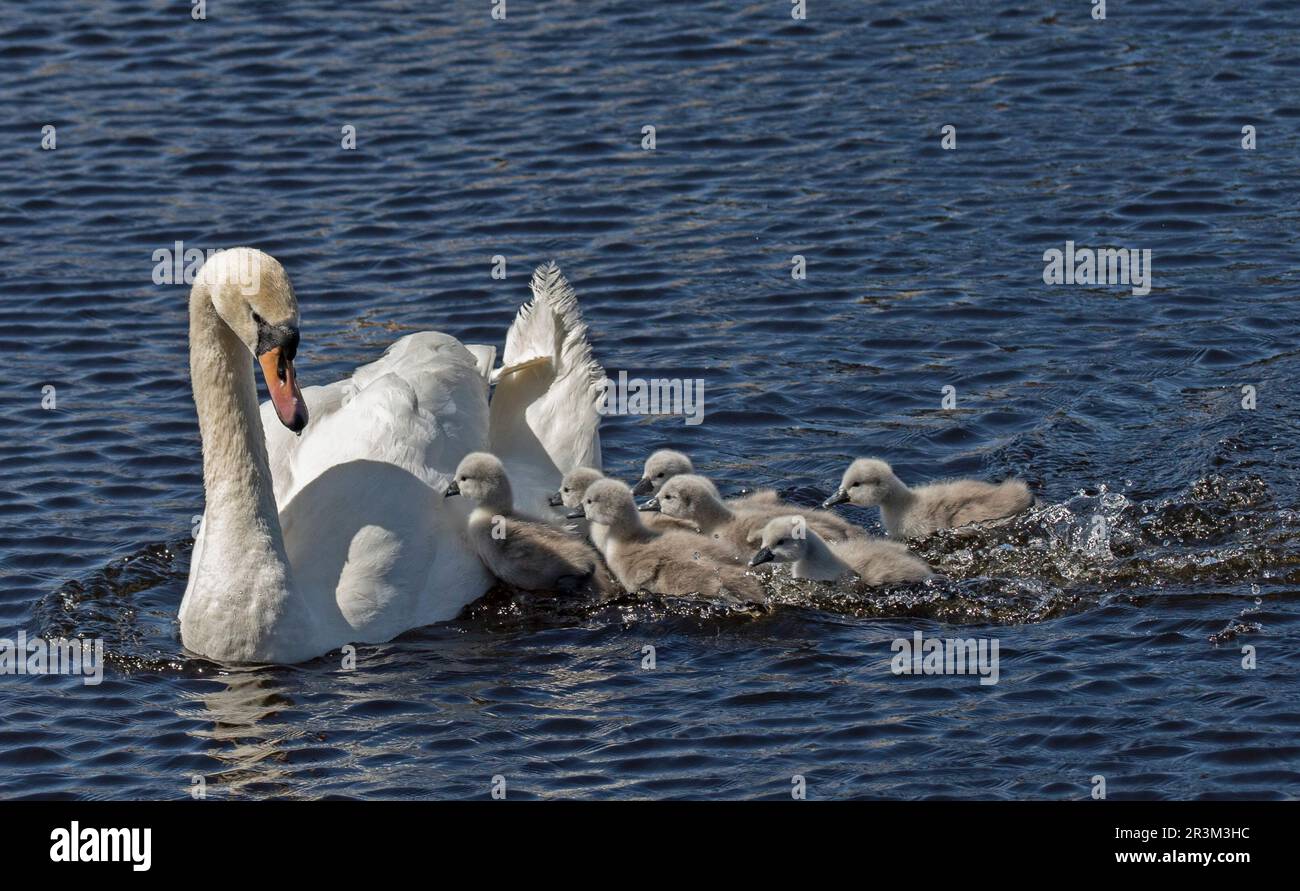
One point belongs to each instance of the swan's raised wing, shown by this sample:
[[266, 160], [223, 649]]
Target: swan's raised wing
[[544, 418]]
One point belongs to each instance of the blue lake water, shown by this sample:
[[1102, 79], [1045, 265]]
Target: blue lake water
[[1121, 653]]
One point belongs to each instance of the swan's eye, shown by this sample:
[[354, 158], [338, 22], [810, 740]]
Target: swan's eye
[[855, 485], [565, 489], [659, 475]]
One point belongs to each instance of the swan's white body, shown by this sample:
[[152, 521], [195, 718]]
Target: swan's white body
[[341, 535]]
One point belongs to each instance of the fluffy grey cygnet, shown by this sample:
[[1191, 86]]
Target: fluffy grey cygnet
[[675, 563], [520, 550], [575, 485], [665, 464], [911, 513], [873, 560], [694, 498]]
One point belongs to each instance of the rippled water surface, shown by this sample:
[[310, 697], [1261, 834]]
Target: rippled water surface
[[1121, 649]]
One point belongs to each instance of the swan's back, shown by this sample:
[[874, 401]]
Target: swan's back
[[421, 406]]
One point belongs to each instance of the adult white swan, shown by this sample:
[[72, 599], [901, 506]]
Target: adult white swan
[[341, 534]]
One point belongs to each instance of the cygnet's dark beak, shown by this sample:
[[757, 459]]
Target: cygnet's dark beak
[[452, 489], [839, 497], [555, 500], [643, 487], [575, 514], [763, 556], [652, 504]]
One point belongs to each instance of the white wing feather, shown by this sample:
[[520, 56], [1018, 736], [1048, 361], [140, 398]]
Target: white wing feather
[[544, 417]]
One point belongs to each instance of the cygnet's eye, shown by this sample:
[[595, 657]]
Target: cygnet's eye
[[780, 542], [256, 318], [565, 489], [659, 475], [669, 497], [855, 485]]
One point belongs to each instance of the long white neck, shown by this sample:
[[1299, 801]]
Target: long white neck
[[240, 604], [236, 471], [819, 562]]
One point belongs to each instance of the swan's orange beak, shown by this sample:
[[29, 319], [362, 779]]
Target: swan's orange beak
[[282, 384]]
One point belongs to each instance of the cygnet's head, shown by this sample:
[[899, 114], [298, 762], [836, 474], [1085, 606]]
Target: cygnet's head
[[251, 293], [686, 495], [608, 502], [574, 486], [784, 540], [660, 467], [866, 483], [481, 477]]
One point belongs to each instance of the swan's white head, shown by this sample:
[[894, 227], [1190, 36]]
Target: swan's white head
[[481, 477], [252, 294], [609, 502], [784, 540], [866, 483], [686, 496], [660, 467], [574, 486]]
